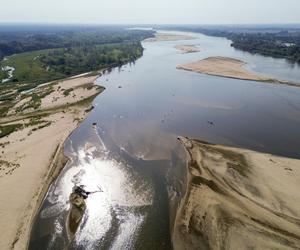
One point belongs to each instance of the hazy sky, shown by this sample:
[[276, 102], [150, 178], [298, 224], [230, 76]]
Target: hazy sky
[[151, 11]]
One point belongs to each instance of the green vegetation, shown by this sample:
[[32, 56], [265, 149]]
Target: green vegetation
[[46, 53], [29, 68], [67, 91], [278, 42], [76, 60], [275, 45], [46, 124], [42, 66], [34, 121], [3, 74], [5, 130], [16, 39], [3, 110], [36, 99], [8, 129]]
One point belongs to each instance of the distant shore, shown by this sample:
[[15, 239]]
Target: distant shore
[[230, 68], [32, 154], [167, 37], [238, 199]]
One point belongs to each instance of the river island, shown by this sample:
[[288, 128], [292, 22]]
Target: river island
[[230, 68], [187, 48]]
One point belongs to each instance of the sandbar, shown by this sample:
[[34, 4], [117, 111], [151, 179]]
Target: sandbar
[[187, 48], [230, 68], [167, 37], [238, 199]]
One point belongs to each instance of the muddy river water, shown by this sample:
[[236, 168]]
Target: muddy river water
[[132, 154]]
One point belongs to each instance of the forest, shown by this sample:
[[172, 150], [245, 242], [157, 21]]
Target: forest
[[279, 45], [41, 54]]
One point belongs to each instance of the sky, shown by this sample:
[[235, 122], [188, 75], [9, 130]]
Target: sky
[[151, 11]]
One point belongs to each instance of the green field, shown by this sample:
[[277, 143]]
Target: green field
[[28, 67], [3, 75]]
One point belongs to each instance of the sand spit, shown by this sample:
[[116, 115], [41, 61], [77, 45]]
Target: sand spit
[[187, 48], [231, 68], [32, 155], [166, 37], [238, 199]]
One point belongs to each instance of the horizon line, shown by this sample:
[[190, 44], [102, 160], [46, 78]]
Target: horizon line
[[145, 24]]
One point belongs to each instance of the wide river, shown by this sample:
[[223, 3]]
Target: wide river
[[133, 156]]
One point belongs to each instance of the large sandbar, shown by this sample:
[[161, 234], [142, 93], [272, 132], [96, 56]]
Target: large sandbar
[[231, 68], [238, 199]]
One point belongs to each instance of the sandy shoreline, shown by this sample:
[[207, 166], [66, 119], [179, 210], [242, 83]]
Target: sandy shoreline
[[230, 68], [238, 199], [187, 48], [32, 156]]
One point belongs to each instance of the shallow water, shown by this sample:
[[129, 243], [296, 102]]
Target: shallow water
[[9, 70], [132, 154]]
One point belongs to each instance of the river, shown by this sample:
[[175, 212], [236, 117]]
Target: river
[[133, 156]]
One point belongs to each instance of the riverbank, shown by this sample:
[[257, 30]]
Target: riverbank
[[238, 199], [230, 68], [32, 138]]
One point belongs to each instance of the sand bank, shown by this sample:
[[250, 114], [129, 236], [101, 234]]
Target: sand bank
[[238, 199], [161, 37], [231, 68], [31, 157], [187, 48]]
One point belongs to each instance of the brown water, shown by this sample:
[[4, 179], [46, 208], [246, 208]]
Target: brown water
[[133, 155]]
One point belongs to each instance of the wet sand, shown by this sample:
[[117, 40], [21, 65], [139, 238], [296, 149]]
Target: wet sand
[[187, 48], [229, 67], [32, 156], [238, 199]]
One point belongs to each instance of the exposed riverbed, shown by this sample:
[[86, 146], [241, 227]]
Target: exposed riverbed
[[132, 153]]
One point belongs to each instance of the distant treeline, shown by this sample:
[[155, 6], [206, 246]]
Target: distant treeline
[[283, 42], [279, 45], [19, 39], [75, 60], [43, 53]]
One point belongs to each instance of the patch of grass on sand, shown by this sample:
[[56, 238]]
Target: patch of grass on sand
[[36, 100], [7, 97], [46, 124], [3, 110], [8, 129], [68, 91], [3, 74], [35, 121]]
